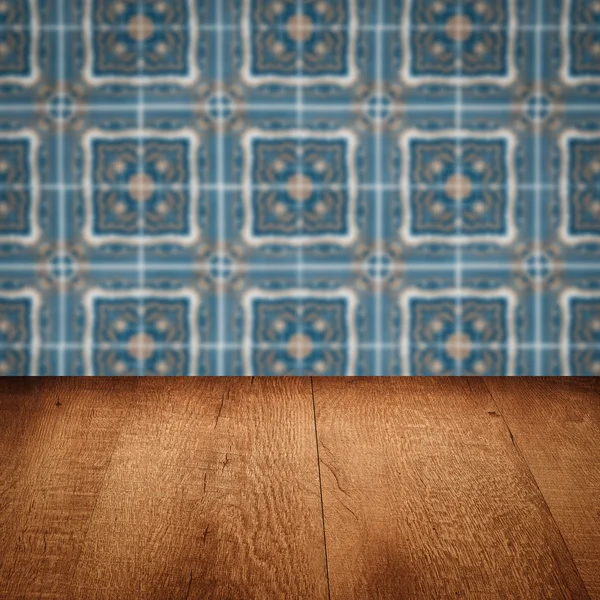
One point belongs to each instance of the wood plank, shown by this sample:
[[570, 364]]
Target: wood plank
[[425, 496], [57, 437], [556, 425], [213, 492]]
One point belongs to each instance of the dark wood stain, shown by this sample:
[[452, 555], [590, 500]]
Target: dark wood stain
[[556, 427], [297, 488], [425, 496]]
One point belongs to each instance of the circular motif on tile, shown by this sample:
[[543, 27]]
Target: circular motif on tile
[[459, 28], [140, 28], [378, 266], [62, 266], [118, 166], [277, 7], [299, 27], [458, 187], [299, 346], [220, 266], [538, 266], [378, 107], [458, 346], [278, 48], [140, 346], [161, 48], [219, 107], [321, 48], [538, 107], [141, 187], [299, 187], [480, 367], [60, 107]]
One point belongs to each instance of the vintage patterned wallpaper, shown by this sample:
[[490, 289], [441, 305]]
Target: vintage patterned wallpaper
[[300, 186]]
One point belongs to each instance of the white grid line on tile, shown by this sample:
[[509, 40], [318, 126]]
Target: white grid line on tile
[[359, 27], [538, 82], [379, 204], [326, 267], [412, 105], [235, 187], [141, 226], [221, 310], [458, 102], [299, 95], [62, 205], [547, 346]]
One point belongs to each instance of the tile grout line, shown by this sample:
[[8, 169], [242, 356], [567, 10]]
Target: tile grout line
[[141, 225], [538, 328], [379, 203], [521, 456], [52, 27], [312, 389], [334, 107], [62, 317], [458, 209], [220, 89], [239, 187], [283, 345], [335, 267], [299, 47]]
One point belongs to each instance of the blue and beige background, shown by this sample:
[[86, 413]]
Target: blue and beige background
[[300, 186]]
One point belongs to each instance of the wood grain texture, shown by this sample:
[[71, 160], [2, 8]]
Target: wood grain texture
[[213, 492], [185, 488], [556, 426], [57, 437], [217, 488], [426, 496]]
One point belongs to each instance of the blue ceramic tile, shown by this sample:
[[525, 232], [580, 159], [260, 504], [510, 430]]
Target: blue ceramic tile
[[330, 187]]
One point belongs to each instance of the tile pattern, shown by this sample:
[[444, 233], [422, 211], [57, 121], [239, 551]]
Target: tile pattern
[[300, 186]]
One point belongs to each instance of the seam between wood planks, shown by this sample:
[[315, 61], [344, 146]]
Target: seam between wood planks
[[524, 459], [312, 389]]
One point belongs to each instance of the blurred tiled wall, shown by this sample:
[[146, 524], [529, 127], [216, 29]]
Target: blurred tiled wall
[[300, 186]]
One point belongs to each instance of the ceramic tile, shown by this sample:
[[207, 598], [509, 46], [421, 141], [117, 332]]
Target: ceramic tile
[[373, 187]]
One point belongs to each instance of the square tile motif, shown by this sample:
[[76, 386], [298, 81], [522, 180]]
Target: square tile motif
[[141, 187], [299, 44], [19, 333], [581, 41], [466, 334], [327, 187], [19, 186], [470, 41], [140, 41], [300, 186], [581, 186], [581, 356], [459, 185], [299, 332], [18, 42], [130, 334]]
